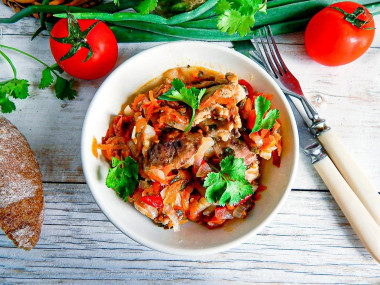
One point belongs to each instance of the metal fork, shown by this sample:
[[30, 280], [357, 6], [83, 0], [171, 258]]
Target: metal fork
[[276, 67], [342, 158]]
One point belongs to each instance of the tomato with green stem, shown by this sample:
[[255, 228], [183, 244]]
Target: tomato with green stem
[[85, 49], [339, 34]]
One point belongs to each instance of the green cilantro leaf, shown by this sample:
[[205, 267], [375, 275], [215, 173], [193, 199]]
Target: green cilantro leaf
[[64, 88], [235, 192], [6, 105], [238, 15], [222, 6], [17, 88], [179, 92], [215, 186], [123, 176], [47, 78], [261, 107], [116, 2], [270, 119], [146, 6], [229, 185], [234, 167], [229, 21]]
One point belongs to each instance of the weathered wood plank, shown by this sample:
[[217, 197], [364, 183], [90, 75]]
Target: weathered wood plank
[[350, 97], [309, 241]]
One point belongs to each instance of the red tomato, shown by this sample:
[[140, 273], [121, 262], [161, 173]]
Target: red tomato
[[102, 42], [331, 39]]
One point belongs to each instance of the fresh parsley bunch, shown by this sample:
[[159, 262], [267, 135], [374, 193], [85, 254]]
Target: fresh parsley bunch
[[191, 97], [228, 184], [123, 176]]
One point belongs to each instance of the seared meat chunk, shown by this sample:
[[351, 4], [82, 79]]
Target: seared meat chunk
[[175, 148]]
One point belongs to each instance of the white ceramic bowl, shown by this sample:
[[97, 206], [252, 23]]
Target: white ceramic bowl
[[193, 239]]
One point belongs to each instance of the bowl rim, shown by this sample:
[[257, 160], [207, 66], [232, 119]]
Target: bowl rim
[[200, 251]]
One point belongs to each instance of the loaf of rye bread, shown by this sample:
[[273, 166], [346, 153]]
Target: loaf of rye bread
[[21, 194]]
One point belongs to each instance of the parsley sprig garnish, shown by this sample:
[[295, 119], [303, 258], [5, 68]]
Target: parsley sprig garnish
[[228, 184], [19, 88], [238, 15], [191, 97], [262, 105], [123, 176]]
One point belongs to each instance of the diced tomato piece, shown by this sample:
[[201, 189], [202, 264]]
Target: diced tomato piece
[[154, 200]]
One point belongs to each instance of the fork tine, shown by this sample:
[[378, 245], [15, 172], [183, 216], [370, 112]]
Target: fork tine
[[271, 43], [262, 57], [268, 57], [284, 67]]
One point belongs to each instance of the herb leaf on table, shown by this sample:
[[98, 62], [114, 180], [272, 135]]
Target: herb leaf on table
[[16, 88]]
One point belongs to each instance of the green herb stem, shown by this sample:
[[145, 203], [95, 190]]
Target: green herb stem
[[29, 55], [191, 121], [10, 63]]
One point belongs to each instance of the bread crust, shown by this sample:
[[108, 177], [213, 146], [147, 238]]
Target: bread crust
[[21, 193]]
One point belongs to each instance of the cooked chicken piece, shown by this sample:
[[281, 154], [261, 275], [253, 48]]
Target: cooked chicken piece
[[228, 90], [239, 148], [214, 111], [219, 129], [175, 148]]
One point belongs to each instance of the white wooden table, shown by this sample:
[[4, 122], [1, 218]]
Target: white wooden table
[[309, 241]]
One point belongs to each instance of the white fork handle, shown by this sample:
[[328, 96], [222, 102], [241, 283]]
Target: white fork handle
[[361, 221], [352, 173]]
